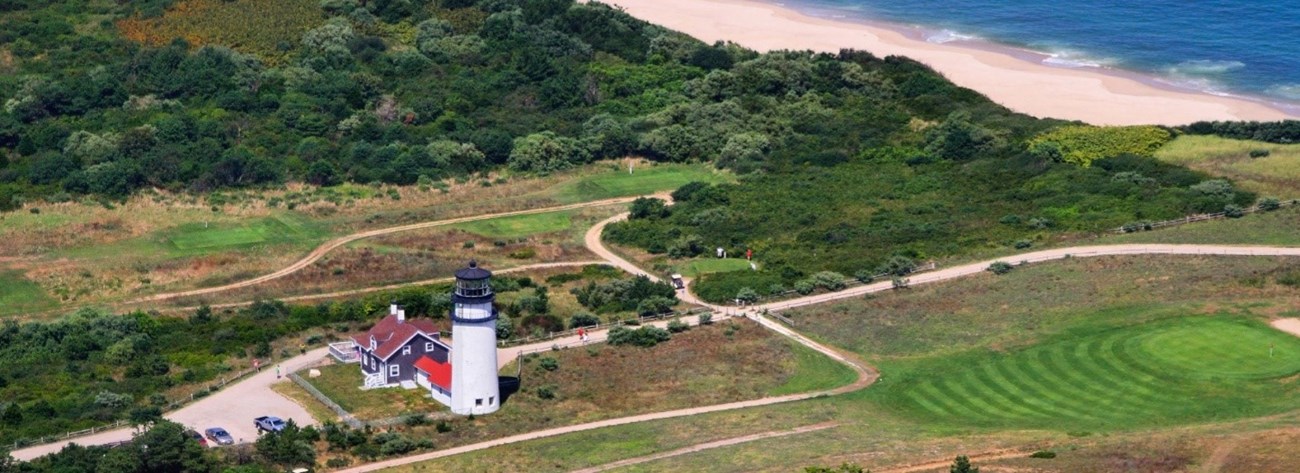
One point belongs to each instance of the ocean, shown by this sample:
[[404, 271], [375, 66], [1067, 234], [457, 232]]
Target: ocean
[[1223, 47]]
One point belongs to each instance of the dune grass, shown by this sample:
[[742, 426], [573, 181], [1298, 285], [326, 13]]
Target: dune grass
[[1276, 175]]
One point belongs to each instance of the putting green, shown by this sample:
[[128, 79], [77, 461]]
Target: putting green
[[1172, 371], [520, 225], [198, 236]]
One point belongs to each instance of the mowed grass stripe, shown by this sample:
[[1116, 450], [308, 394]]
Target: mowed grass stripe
[[1101, 389], [1094, 367], [936, 396], [956, 389], [1001, 406], [1080, 394], [1001, 391], [1033, 400], [1030, 385]]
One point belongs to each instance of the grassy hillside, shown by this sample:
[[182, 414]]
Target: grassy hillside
[[1265, 168]]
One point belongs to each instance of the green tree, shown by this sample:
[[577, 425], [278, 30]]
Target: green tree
[[648, 207], [544, 152], [291, 447], [747, 295], [166, 447], [962, 465]]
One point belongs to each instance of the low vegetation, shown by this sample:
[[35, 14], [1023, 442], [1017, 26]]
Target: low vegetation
[[1267, 169], [1081, 145]]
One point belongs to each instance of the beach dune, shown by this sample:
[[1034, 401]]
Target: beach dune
[[1011, 78]]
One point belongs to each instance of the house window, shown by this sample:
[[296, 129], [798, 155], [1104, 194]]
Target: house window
[[394, 370], [428, 347], [406, 350]]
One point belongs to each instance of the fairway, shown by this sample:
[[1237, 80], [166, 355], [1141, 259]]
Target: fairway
[[519, 225], [643, 180], [198, 236], [700, 267], [1172, 371]]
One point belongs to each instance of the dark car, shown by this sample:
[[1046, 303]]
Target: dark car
[[197, 438], [219, 435], [268, 424]]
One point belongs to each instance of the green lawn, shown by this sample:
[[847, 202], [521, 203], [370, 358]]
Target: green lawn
[[696, 268], [1264, 228], [813, 371], [519, 225], [643, 180], [1277, 174], [17, 294], [199, 237], [1174, 371], [342, 384]]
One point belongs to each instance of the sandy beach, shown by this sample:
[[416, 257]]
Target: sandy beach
[[1092, 95]]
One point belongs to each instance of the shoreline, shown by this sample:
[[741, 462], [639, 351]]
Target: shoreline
[[1011, 76]]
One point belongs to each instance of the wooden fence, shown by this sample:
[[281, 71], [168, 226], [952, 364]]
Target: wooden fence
[[1147, 226]]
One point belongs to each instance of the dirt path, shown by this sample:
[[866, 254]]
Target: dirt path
[[707, 446], [328, 246], [943, 465], [1035, 257], [351, 292]]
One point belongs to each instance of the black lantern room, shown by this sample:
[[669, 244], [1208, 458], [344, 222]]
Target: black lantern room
[[472, 286]]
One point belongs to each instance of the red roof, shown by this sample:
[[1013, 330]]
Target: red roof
[[390, 334], [439, 373]]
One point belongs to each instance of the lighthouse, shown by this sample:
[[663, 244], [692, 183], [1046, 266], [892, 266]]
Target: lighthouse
[[474, 385]]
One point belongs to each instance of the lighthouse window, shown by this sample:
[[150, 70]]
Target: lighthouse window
[[473, 288], [478, 402]]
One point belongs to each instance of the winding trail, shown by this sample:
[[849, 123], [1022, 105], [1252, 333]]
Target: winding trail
[[330, 245], [248, 396]]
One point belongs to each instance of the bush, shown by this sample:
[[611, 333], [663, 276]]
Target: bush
[[1081, 145], [677, 326], [338, 462], [442, 427], [647, 336], [1234, 211], [548, 363], [1022, 244], [545, 392], [1138, 226], [706, 319], [900, 283], [1043, 454], [864, 275], [747, 295], [1000, 267], [897, 266], [829, 280], [1269, 204], [416, 419], [1259, 153], [804, 286], [655, 305], [583, 319]]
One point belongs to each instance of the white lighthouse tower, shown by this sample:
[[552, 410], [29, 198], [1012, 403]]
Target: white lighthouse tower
[[474, 385]]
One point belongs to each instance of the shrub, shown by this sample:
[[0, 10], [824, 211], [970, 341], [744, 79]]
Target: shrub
[[747, 295], [900, 283], [583, 319], [1269, 204], [829, 280], [1000, 267], [1259, 153], [897, 266], [416, 419], [804, 286], [468, 244], [677, 326], [1043, 454], [1234, 211], [864, 275], [545, 392], [524, 253], [655, 305], [1081, 144], [1138, 226], [706, 319], [1022, 244], [548, 363], [442, 427], [647, 336], [338, 462]]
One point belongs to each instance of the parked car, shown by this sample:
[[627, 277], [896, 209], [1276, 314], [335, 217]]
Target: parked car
[[268, 424], [220, 436], [197, 438]]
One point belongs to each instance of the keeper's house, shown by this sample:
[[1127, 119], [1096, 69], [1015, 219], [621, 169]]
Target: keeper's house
[[388, 352]]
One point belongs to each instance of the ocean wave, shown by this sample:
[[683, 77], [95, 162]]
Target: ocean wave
[[1205, 67], [1074, 59], [1286, 91], [947, 36]]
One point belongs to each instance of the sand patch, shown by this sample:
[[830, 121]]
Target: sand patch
[[1288, 325]]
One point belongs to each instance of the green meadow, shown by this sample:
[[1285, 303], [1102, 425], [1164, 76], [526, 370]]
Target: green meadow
[[17, 294], [696, 268], [1276, 175], [641, 181]]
